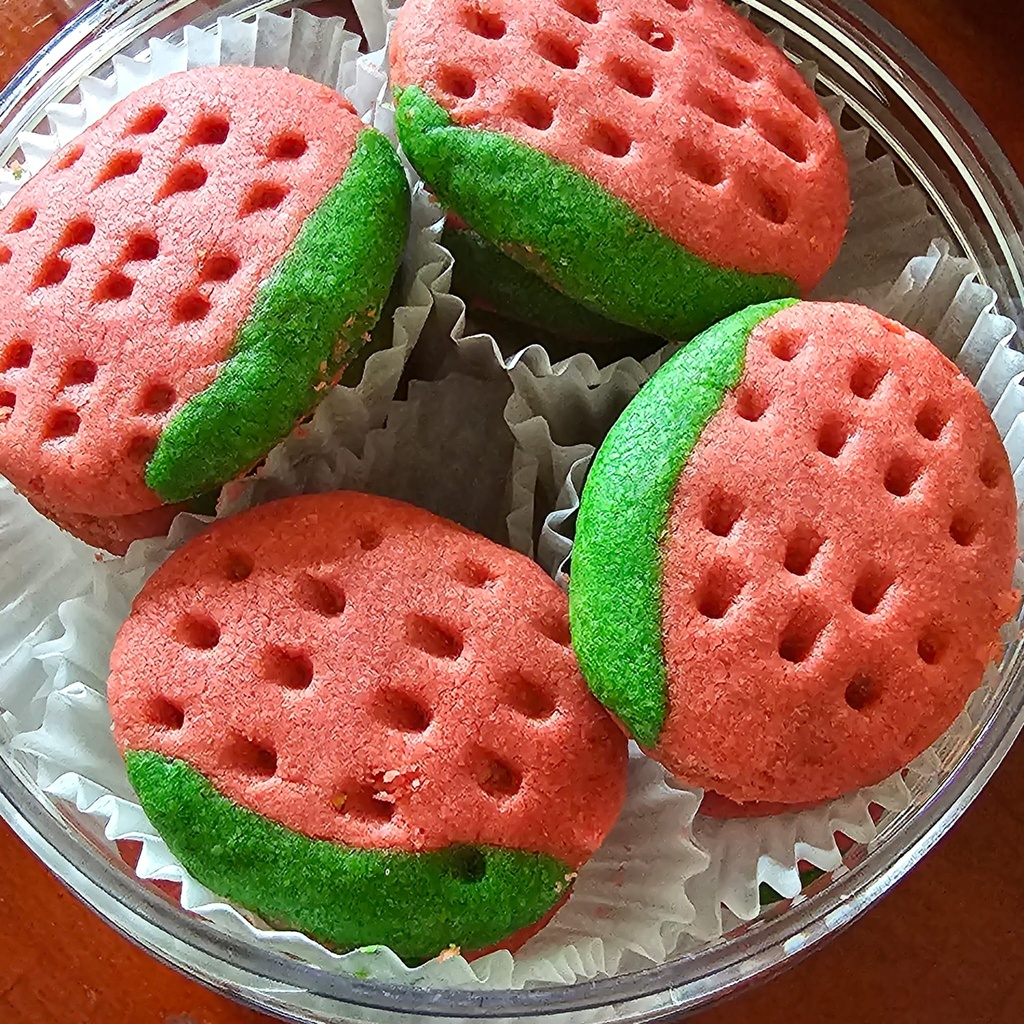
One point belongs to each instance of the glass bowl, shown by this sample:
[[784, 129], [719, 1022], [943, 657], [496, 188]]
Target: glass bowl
[[939, 143]]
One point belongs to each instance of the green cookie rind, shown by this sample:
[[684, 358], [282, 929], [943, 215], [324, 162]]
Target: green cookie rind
[[309, 318], [345, 897], [564, 227], [615, 578], [483, 273]]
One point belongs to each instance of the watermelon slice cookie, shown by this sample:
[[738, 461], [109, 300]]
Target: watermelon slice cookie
[[659, 161], [364, 722], [794, 554], [181, 284]]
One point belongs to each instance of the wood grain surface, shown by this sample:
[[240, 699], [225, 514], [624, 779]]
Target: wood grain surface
[[943, 948]]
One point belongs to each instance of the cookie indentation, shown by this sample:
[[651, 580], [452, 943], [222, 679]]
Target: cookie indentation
[[190, 307], [964, 528], [785, 139], [188, 176], [363, 803], [533, 110], [751, 403], [772, 205], [17, 356], [287, 146], [801, 550], [719, 590], [157, 399], [558, 50], [697, 164], [147, 121], [555, 627], [70, 157], [526, 697], [433, 637], [862, 691], [798, 639], [198, 630], [113, 287], [630, 77], [209, 130], [472, 574], [720, 108], [400, 710], [238, 566], [23, 220], [932, 645], [990, 472], [483, 23], [78, 232], [219, 267], [62, 423], [736, 65], [902, 474], [457, 82], [165, 714], [721, 512], [833, 434], [120, 166], [264, 195], [653, 34], [290, 669], [787, 345], [51, 272], [583, 10], [325, 597], [608, 138], [866, 376], [497, 778], [872, 585], [79, 371], [931, 420], [250, 757]]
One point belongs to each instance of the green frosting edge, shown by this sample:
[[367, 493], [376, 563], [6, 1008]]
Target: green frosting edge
[[310, 317], [567, 229], [484, 274], [344, 897], [615, 579]]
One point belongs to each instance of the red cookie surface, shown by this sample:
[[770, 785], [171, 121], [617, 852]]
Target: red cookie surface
[[679, 107], [128, 263], [838, 561], [364, 672]]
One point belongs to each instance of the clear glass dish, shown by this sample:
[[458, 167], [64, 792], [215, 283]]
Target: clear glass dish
[[939, 143]]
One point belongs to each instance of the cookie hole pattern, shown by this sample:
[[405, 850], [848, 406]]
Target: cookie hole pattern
[[583, 10], [433, 637], [141, 248], [483, 23], [466, 864], [932, 646], [250, 757], [703, 167], [786, 346], [608, 138], [472, 574], [79, 371], [832, 437], [23, 220], [963, 529], [400, 711], [497, 778], [52, 271], [289, 669], [736, 65], [862, 691], [630, 77], [121, 165], [238, 566], [113, 288], [680, 5], [189, 308], [62, 423], [990, 472], [559, 51], [360, 802], [800, 96], [534, 110], [219, 267], [157, 399], [8, 400], [147, 121], [785, 140], [209, 130], [17, 356], [555, 626], [186, 177], [798, 639], [718, 591], [287, 146], [198, 631], [322, 596], [751, 404], [931, 420], [772, 205], [871, 587], [5, 255], [457, 82], [902, 474], [653, 34], [721, 512], [141, 448], [78, 232], [369, 538], [721, 109], [865, 378], [166, 715], [527, 698], [264, 195], [70, 157], [801, 550]]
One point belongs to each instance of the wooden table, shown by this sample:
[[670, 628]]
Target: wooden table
[[944, 947]]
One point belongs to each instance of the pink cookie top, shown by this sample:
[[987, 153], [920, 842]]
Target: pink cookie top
[[838, 561], [365, 672], [129, 262], [679, 107]]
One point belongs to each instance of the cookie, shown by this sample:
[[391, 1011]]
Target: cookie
[[182, 283], [661, 163], [491, 282], [364, 722], [794, 554]]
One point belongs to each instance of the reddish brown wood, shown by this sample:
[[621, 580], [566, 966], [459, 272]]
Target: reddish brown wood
[[944, 947]]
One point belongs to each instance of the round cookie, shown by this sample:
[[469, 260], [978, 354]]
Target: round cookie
[[362, 721], [183, 282], [794, 554], [660, 162]]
